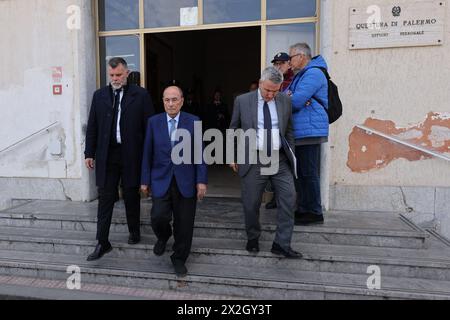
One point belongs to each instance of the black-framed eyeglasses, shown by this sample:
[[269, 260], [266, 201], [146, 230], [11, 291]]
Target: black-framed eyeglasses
[[298, 54]]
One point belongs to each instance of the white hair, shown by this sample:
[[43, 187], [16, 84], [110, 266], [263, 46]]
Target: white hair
[[272, 74], [302, 48]]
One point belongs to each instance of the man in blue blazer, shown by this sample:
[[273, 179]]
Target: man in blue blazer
[[175, 188]]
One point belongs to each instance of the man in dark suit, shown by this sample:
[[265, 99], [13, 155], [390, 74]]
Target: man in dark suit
[[114, 140], [175, 187], [269, 115]]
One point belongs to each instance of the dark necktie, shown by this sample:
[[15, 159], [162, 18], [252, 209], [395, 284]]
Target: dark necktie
[[268, 128], [116, 113]]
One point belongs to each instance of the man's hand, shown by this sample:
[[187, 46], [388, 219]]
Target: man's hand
[[145, 190], [90, 163], [235, 167], [201, 191]]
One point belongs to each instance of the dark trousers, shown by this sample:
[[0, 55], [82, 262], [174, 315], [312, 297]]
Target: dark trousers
[[183, 212], [108, 195], [308, 182]]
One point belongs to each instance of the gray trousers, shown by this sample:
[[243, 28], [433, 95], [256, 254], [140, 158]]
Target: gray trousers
[[253, 185]]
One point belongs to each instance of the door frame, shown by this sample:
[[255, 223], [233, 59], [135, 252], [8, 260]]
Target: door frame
[[263, 24], [141, 31]]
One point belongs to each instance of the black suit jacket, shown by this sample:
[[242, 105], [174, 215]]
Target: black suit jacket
[[136, 108]]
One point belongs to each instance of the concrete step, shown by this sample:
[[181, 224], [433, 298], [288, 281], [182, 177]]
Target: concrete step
[[262, 282], [432, 263], [226, 221], [19, 288]]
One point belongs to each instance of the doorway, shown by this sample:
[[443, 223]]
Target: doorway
[[203, 63]]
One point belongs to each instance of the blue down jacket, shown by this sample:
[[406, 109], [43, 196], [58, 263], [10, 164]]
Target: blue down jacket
[[310, 84]]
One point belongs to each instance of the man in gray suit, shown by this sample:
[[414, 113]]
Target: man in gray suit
[[268, 113]]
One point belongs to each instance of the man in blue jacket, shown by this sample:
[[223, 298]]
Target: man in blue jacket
[[309, 93], [175, 188]]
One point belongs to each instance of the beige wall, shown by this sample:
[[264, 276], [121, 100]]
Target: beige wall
[[35, 38], [402, 85], [401, 91]]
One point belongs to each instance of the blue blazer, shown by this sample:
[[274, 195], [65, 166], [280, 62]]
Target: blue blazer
[[157, 166]]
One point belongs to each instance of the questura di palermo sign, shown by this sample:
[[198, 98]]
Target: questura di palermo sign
[[397, 25]]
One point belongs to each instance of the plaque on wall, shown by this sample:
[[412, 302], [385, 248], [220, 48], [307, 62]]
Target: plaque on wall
[[416, 23], [189, 16]]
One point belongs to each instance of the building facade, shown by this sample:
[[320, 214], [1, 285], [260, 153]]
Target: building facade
[[55, 52]]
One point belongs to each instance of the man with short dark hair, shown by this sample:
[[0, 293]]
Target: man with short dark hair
[[114, 140]]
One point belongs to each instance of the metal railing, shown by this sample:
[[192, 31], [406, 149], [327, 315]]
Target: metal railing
[[12, 146], [407, 144]]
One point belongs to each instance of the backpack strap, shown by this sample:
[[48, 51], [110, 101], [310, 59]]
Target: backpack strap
[[327, 76]]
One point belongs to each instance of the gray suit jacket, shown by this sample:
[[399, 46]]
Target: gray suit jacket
[[245, 117]]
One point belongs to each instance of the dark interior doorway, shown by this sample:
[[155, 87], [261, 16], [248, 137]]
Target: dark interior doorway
[[201, 63]]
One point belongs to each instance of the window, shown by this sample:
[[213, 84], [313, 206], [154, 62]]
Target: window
[[118, 14], [126, 47], [220, 11], [285, 9], [163, 13], [280, 38]]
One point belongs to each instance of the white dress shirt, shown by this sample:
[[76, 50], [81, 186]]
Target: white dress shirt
[[118, 136], [275, 124]]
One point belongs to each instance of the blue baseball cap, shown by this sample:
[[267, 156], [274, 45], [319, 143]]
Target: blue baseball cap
[[282, 56]]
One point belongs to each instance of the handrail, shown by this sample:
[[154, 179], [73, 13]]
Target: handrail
[[29, 137], [408, 144]]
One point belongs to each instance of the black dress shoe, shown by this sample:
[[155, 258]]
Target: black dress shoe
[[180, 269], [252, 246], [290, 253], [160, 247], [308, 219], [100, 251], [272, 204], [134, 239]]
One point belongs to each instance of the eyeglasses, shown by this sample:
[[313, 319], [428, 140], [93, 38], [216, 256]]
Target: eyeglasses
[[298, 54]]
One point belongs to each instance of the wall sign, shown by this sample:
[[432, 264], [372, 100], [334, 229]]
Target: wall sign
[[189, 16], [418, 23], [57, 74]]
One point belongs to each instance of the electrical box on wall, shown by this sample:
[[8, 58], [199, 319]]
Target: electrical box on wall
[[57, 90]]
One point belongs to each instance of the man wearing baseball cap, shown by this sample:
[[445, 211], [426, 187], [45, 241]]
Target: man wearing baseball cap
[[281, 62]]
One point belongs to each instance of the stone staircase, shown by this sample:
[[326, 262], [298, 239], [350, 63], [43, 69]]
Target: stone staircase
[[40, 239]]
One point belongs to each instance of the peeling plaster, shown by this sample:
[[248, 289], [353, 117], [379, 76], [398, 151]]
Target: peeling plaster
[[370, 152]]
